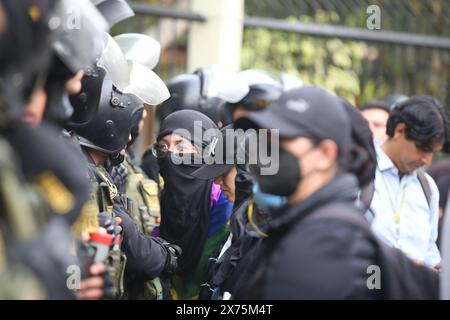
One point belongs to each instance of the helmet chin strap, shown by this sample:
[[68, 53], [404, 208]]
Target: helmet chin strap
[[115, 158]]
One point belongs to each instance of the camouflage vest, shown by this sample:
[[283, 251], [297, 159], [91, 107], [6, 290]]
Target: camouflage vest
[[143, 206], [142, 198], [101, 200], [18, 216]]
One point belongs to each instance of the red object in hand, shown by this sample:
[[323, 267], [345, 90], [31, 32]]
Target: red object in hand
[[103, 238], [102, 242]]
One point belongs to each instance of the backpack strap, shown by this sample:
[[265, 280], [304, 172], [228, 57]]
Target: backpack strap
[[425, 185], [365, 199], [368, 191], [344, 213]]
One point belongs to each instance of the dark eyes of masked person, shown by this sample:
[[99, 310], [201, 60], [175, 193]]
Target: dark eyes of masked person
[[173, 143]]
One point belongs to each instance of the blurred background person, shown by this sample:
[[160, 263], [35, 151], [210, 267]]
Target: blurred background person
[[377, 113], [406, 199]]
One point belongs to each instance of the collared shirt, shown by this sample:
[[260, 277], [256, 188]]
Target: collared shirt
[[417, 228]]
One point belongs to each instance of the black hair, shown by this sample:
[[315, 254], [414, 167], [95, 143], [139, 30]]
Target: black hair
[[381, 105], [361, 157], [425, 119]]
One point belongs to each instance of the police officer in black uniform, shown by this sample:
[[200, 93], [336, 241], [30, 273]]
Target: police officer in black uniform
[[62, 192], [103, 138]]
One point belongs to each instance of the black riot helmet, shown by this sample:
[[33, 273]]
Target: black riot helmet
[[45, 45], [85, 103], [114, 11], [25, 49], [110, 128], [185, 93], [77, 45], [264, 89], [43, 42], [207, 90], [58, 108], [258, 98]]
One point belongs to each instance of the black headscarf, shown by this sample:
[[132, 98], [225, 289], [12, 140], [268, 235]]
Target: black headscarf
[[185, 200]]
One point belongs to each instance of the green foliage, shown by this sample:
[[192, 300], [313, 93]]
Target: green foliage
[[330, 63], [358, 71]]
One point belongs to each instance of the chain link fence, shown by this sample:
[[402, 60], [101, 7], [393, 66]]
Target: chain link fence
[[418, 62], [414, 16]]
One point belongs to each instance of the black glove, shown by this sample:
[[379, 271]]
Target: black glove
[[173, 253], [119, 174], [108, 223], [86, 254]]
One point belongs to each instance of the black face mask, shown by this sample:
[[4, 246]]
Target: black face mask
[[185, 211], [286, 180]]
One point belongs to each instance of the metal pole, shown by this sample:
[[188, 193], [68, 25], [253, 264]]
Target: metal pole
[[334, 31]]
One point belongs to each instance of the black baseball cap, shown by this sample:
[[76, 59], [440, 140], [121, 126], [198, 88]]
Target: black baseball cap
[[308, 112], [224, 150]]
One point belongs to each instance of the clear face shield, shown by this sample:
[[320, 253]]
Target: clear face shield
[[114, 11], [146, 85], [255, 76], [290, 81], [77, 25], [113, 61], [219, 83], [139, 48], [130, 76]]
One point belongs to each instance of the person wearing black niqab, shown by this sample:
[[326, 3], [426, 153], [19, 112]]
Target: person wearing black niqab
[[191, 212]]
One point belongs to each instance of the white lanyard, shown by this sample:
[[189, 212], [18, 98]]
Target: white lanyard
[[397, 213]]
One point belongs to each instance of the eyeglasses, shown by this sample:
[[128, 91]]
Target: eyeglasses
[[181, 147]]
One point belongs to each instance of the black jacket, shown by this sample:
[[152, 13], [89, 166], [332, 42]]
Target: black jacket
[[231, 271], [330, 258], [147, 257]]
